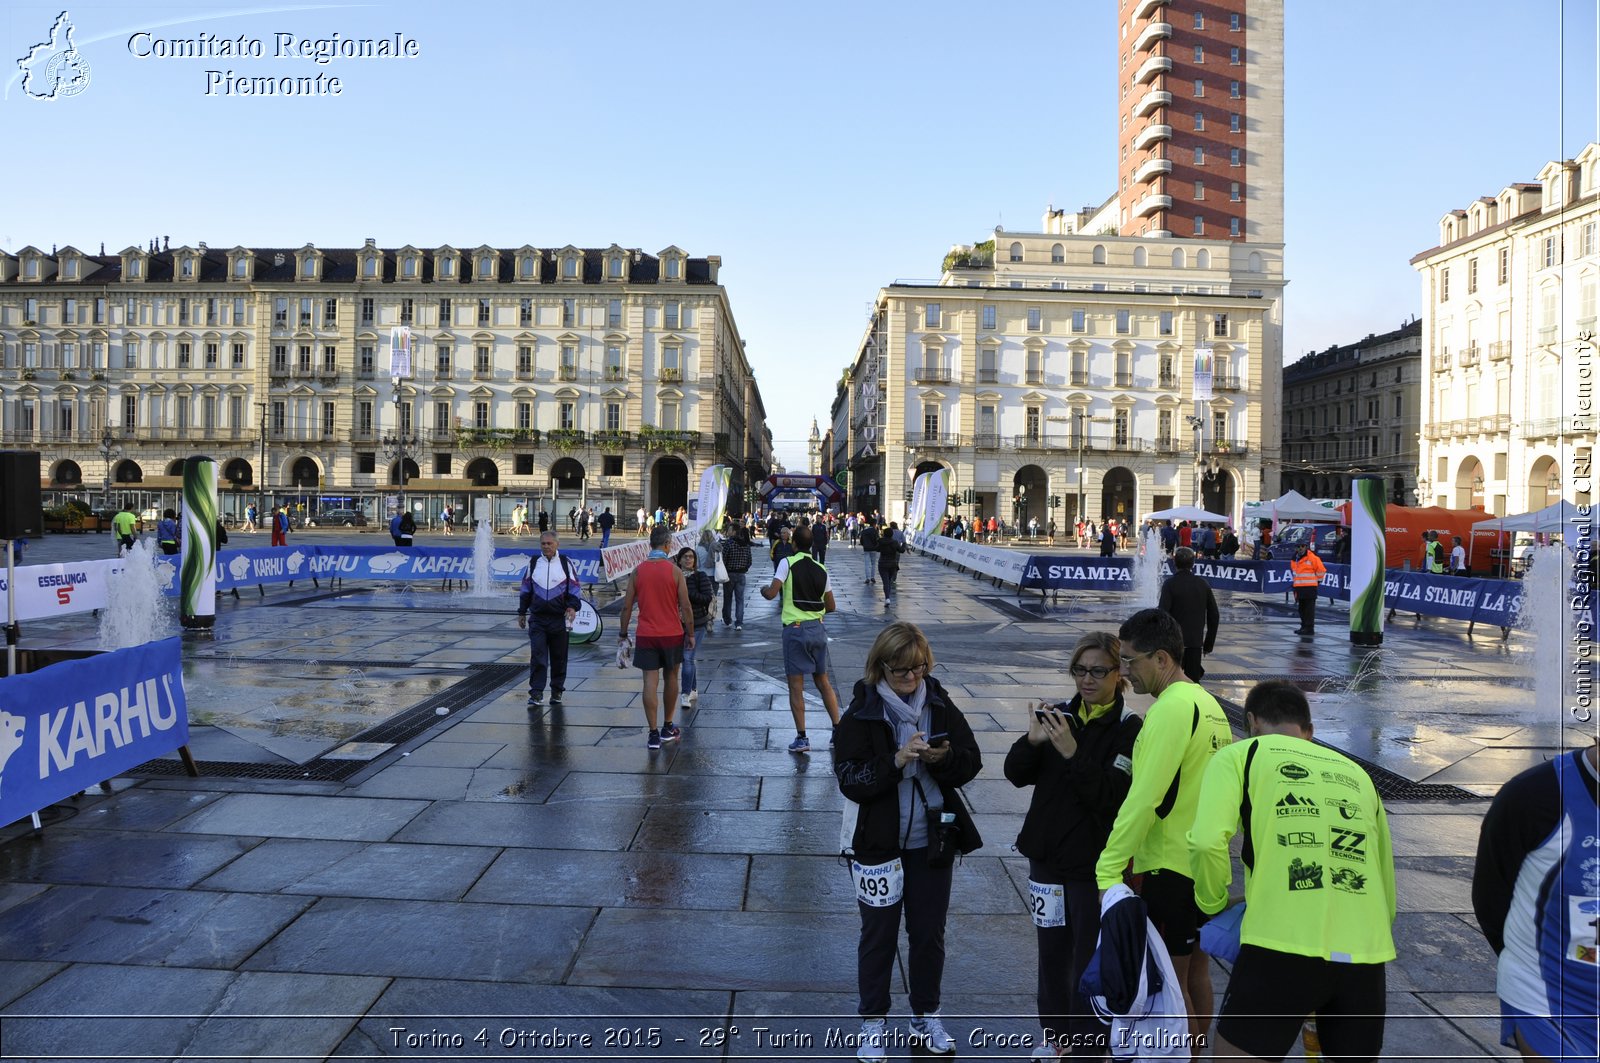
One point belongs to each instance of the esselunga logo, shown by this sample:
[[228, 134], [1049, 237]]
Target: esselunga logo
[[54, 69]]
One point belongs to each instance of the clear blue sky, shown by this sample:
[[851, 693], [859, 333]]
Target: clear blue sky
[[822, 149]]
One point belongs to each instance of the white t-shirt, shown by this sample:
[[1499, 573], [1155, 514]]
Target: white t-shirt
[[1458, 558]]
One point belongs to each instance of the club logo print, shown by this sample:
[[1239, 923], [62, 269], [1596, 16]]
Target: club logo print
[[1349, 880], [54, 69], [1304, 875]]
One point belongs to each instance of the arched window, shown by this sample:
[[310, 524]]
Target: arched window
[[1255, 262], [1016, 251], [1177, 258], [1202, 259], [1140, 258], [1099, 254], [1058, 254]]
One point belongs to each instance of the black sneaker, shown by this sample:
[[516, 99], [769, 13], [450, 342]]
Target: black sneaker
[[653, 741], [535, 700], [671, 732], [555, 697]]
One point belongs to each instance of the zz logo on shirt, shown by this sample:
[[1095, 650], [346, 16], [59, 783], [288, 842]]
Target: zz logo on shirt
[[1350, 844]]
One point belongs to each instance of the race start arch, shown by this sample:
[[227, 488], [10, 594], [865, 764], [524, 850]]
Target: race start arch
[[823, 487]]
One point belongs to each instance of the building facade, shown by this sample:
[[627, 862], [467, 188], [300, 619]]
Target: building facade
[[1508, 335], [1355, 410], [1141, 363], [1124, 357], [602, 375]]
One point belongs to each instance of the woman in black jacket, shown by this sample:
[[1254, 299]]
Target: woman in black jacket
[[1078, 759], [701, 590], [899, 752]]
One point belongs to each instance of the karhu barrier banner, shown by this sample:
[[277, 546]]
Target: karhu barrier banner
[[74, 724]]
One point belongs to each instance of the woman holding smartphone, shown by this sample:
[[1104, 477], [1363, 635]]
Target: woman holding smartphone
[[1077, 757], [899, 752]]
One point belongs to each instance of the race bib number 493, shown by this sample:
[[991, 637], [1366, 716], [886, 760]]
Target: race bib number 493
[[879, 885]]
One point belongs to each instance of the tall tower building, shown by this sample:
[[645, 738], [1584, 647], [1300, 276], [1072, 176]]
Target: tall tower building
[[1200, 98]]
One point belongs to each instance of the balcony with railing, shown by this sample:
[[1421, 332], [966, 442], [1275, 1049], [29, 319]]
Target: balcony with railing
[[1150, 169], [369, 434], [668, 438], [988, 376], [1079, 378], [612, 439], [1151, 101], [1039, 441], [1144, 7], [616, 372], [1154, 203], [930, 374], [1153, 34], [1167, 380], [1543, 428], [1441, 362], [1499, 350], [1156, 64], [1033, 376], [1154, 133], [671, 374], [495, 438], [986, 440], [1227, 382], [483, 371], [1235, 447], [933, 440], [524, 372], [567, 372], [1469, 355], [366, 372], [1124, 379]]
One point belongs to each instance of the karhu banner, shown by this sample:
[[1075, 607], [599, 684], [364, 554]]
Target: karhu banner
[[74, 724]]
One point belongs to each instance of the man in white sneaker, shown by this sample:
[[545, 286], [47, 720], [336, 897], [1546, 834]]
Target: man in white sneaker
[[803, 585]]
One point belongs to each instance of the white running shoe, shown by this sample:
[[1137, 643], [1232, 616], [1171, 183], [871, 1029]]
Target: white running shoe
[[928, 1031], [874, 1047]]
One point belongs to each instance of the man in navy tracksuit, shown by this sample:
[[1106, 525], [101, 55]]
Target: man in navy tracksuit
[[548, 604]]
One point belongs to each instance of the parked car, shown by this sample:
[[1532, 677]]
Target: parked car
[[335, 518], [1286, 543]]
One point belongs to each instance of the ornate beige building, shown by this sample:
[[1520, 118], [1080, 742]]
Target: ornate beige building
[[1508, 327], [602, 374]]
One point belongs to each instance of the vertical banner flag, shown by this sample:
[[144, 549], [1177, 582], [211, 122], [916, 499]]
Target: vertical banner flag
[[1202, 374], [197, 588], [713, 498], [400, 354], [1368, 507], [919, 490], [935, 498]]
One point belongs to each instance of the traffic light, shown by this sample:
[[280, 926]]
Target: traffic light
[[967, 496]]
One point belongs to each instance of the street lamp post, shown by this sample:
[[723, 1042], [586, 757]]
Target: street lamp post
[[261, 484], [394, 446], [109, 452], [1199, 426]]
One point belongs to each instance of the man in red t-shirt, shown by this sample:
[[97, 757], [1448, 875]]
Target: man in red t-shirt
[[666, 625]]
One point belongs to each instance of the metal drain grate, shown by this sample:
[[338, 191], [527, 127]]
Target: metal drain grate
[[477, 683], [1390, 787]]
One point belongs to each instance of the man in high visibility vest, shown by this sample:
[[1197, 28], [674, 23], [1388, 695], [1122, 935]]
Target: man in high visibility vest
[[1307, 569]]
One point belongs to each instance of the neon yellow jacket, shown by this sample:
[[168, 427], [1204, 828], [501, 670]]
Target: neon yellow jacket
[[1319, 870], [1183, 729]]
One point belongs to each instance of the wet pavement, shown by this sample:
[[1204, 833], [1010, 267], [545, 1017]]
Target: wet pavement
[[504, 884]]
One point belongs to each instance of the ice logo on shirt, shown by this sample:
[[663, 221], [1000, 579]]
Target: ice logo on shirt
[[1292, 804]]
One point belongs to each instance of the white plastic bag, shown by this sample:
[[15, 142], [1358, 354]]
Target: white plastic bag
[[624, 652]]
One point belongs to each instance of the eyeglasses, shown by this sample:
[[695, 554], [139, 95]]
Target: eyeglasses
[[907, 673], [1081, 670], [1126, 661]]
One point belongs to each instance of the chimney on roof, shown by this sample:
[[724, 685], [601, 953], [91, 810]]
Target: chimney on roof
[[52, 249], [202, 247], [102, 247], [166, 243]]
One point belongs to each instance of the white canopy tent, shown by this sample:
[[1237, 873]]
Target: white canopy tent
[[1559, 517], [1292, 506], [1189, 513]]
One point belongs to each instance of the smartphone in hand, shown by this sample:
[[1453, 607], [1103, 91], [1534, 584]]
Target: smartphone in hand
[[939, 739]]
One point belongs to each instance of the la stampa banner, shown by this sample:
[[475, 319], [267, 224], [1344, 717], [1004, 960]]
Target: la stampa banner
[[73, 724]]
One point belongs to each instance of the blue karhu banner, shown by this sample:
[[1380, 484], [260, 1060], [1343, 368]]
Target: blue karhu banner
[[246, 568], [74, 724]]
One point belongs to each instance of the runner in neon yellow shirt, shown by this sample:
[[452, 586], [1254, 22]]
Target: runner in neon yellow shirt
[[1319, 884], [1181, 732]]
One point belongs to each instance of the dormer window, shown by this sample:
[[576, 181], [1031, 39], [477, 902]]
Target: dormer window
[[241, 267], [410, 267], [447, 267], [135, 267], [673, 268], [569, 267], [69, 269], [526, 267], [485, 266], [310, 269], [369, 266], [615, 269], [187, 268], [31, 269]]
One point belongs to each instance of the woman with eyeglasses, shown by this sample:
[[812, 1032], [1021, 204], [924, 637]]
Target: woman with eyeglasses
[[899, 752], [1077, 757]]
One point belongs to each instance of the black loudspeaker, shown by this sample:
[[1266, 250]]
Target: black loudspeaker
[[21, 511]]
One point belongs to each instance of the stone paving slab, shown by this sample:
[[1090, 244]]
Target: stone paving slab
[[289, 816], [607, 829], [489, 942], [613, 880], [119, 858], [682, 793]]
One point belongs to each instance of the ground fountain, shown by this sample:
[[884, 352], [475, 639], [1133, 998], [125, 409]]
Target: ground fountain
[[1147, 571], [482, 558], [137, 609]]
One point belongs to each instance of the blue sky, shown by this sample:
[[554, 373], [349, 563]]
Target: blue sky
[[822, 149]]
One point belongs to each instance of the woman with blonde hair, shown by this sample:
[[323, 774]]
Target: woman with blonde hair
[[1078, 757], [899, 752]]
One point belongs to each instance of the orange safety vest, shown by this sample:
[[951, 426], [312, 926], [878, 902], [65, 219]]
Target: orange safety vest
[[1308, 570]]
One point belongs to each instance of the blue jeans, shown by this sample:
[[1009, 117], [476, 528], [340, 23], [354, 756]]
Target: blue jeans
[[687, 676], [871, 559], [733, 599]]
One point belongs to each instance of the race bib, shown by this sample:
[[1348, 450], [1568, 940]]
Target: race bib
[[1582, 915], [879, 885], [1047, 903]]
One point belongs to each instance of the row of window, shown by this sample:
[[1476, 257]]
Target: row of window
[[933, 317], [1322, 390], [1078, 420], [1141, 255], [570, 266], [1552, 249]]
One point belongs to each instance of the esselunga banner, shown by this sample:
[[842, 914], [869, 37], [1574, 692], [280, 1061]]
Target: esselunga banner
[[74, 587], [618, 561], [1007, 565], [77, 723]]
